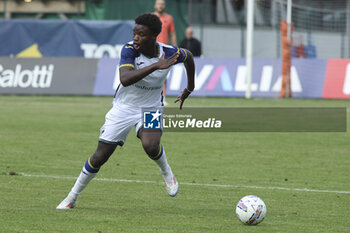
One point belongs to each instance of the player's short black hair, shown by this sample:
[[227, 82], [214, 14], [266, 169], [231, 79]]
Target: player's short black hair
[[151, 21]]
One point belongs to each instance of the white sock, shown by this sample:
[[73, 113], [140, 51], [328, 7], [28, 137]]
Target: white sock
[[87, 174], [162, 162]]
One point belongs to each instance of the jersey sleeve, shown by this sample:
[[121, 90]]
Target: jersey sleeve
[[183, 55], [169, 51], [128, 55]]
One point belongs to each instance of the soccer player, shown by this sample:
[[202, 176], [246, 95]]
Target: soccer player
[[143, 68]]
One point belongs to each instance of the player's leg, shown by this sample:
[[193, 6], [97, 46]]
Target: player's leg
[[92, 166], [114, 132], [89, 171], [102, 154], [150, 139]]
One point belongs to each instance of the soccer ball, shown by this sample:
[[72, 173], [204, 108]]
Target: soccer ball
[[251, 210]]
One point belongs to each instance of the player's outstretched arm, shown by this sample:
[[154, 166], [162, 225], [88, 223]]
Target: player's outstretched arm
[[190, 68], [129, 75]]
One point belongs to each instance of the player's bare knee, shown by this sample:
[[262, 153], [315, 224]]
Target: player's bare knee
[[99, 158], [102, 154], [152, 149]]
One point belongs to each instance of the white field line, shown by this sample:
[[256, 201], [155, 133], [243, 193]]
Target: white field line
[[195, 184]]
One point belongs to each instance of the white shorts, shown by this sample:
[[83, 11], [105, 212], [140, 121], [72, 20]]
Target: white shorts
[[118, 123]]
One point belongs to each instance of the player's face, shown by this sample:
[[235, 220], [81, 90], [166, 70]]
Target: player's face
[[143, 38]]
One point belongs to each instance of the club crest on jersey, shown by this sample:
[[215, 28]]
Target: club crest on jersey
[[152, 119]]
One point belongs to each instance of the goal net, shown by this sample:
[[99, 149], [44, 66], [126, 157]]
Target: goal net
[[320, 29]]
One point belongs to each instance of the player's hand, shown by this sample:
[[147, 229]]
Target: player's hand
[[166, 63], [181, 98]]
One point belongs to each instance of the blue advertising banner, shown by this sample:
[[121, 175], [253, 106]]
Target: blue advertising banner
[[63, 38], [227, 77], [107, 77], [214, 77]]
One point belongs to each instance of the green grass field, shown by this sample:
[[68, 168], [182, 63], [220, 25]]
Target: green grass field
[[46, 140]]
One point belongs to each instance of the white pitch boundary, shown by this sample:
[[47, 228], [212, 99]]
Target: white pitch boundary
[[195, 184]]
